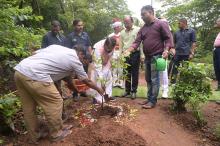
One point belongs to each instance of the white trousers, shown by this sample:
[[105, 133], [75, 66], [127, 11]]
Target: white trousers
[[107, 79], [164, 82], [117, 70]]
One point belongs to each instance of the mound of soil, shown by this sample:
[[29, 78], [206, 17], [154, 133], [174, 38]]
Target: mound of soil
[[106, 133], [105, 112]]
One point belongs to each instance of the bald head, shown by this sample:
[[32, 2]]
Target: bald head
[[128, 22]]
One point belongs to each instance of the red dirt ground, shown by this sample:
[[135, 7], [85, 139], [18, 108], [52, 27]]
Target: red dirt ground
[[154, 127]]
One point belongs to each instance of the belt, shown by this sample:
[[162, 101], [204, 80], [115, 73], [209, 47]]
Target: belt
[[137, 51], [150, 57]]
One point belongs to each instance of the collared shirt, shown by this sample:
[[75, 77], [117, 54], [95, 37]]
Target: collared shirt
[[128, 37], [154, 37], [52, 64], [74, 39], [183, 40], [217, 41], [50, 39], [102, 59]]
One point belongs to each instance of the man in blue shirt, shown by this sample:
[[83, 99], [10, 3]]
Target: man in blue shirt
[[78, 37], [185, 45], [54, 37]]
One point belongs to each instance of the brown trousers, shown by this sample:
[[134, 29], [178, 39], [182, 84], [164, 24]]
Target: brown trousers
[[43, 94]]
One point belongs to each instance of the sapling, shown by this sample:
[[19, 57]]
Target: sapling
[[115, 63]]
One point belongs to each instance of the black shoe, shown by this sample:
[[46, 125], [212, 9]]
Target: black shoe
[[113, 98], [76, 97], [217, 102], [83, 94], [133, 96], [126, 94]]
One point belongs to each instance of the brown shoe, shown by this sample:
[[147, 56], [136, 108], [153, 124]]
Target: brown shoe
[[143, 103], [149, 105]]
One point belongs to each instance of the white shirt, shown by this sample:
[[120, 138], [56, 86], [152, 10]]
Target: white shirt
[[98, 54], [51, 64]]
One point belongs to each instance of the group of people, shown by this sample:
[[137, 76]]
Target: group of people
[[62, 58]]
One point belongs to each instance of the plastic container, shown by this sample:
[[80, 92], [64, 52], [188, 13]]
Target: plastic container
[[80, 87], [160, 64]]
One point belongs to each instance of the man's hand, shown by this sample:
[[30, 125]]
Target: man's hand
[[128, 51], [92, 85], [101, 91], [191, 56], [172, 51], [165, 54]]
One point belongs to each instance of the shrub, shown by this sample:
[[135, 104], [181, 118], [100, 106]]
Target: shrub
[[217, 131], [9, 106], [192, 88]]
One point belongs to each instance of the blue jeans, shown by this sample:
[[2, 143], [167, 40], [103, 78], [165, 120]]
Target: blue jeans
[[153, 80]]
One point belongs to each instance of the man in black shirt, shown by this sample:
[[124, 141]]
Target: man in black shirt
[[54, 36]]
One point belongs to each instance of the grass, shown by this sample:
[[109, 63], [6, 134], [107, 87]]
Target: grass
[[142, 92]]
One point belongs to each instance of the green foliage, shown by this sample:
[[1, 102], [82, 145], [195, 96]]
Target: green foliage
[[120, 63], [192, 88], [201, 15], [97, 14], [208, 59], [17, 39], [9, 106], [217, 131]]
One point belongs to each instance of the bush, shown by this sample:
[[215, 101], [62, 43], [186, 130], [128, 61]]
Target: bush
[[217, 131], [192, 88], [210, 71], [16, 39], [9, 106]]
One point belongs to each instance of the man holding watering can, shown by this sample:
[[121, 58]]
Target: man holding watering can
[[157, 40]]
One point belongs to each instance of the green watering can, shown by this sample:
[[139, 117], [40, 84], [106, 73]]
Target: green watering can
[[160, 64]]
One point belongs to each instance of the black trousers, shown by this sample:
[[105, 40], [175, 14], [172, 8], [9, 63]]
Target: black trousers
[[216, 63], [176, 62], [132, 71]]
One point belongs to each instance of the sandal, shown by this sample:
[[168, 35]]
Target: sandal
[[63, 134], [67, 127]]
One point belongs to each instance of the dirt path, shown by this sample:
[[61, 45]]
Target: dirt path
[[158, 129]]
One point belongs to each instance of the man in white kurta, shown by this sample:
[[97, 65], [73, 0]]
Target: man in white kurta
[[117, 70], [102, 73]]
